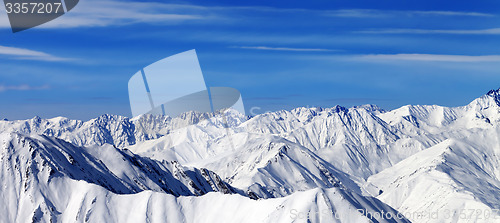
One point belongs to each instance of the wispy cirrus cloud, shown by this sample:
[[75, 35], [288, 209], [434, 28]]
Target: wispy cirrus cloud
[[431, 57], [27, 54], [452, 13], [492, 31], [103, 13], [374, 13], [22, 87], [284, 49]]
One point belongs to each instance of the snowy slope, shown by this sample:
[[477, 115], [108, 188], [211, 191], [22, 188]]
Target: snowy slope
[[79, 201], [263, 165], [445, 179], [49, 180], [27, 162], [461, 172]]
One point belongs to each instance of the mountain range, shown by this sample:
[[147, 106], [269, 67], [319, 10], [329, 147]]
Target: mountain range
[[417, 163]]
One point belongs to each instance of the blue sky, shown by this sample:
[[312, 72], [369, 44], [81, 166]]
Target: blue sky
[[279, 54]]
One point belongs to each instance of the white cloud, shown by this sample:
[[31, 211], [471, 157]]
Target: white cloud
[[27, 54], [358, 13], [284, 48], [373, 13], [23, 87], [493, 31], [432, 57], [452, 13], [102, 13]]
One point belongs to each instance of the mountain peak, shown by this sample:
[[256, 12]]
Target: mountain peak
[[496, 95], [494, 92], [371, 108], [490, 99]]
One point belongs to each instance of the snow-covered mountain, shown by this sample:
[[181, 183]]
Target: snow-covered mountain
[[31, 165], [426, 162], [456, 181], [112, 129], [45, 179]]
